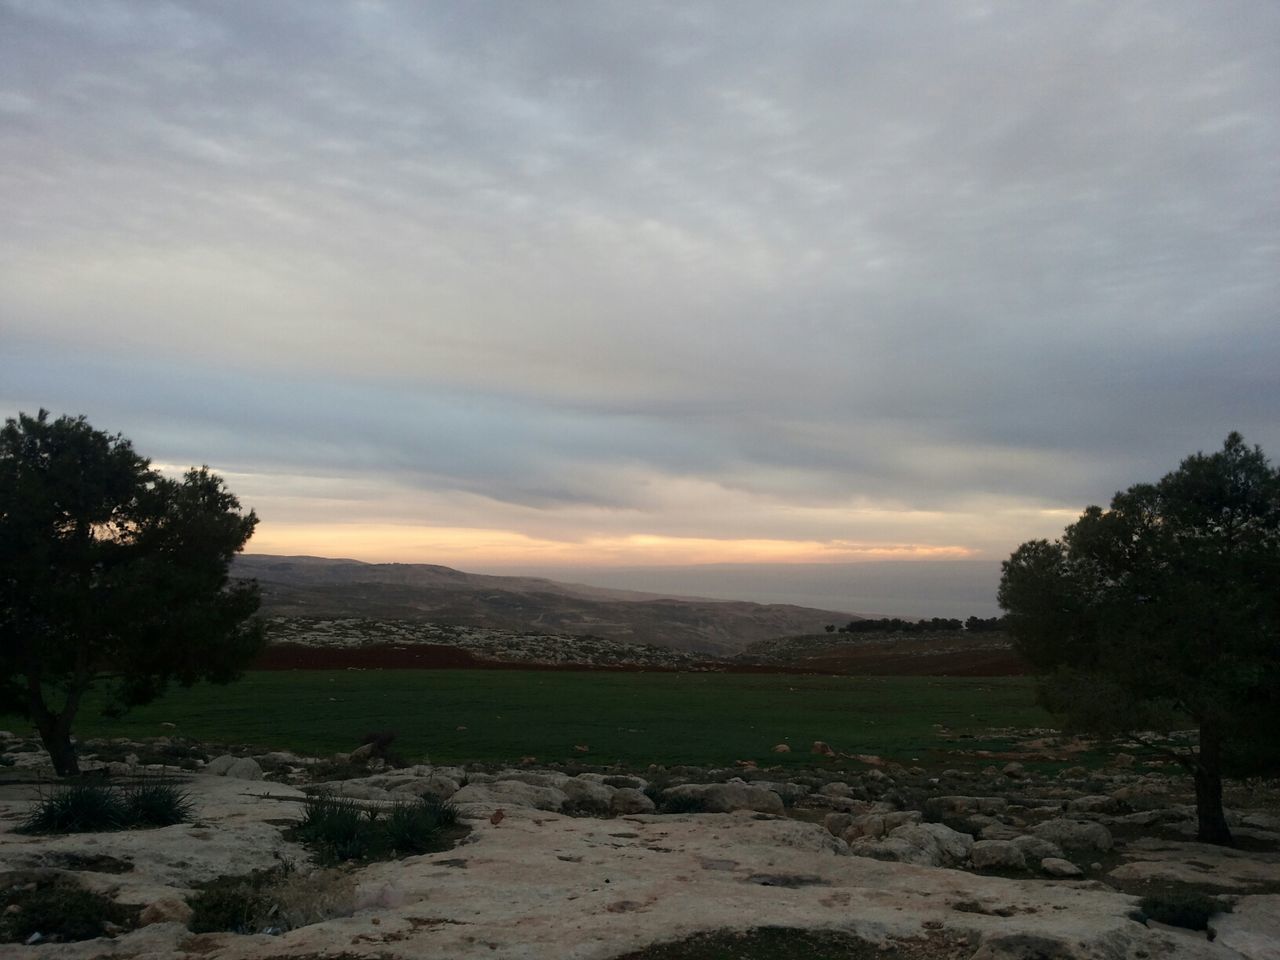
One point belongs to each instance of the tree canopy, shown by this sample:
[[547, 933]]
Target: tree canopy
[[111, 575], [1163, 613]]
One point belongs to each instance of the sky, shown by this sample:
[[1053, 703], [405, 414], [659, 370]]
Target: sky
[[596, 286]]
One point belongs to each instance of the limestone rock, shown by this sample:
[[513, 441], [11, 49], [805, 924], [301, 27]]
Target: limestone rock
[[1074, 834], [997, 854], [628, 800], [926, 844], [940, 808], [587, 796], [237, 768], [727, 797], [514, 793], [1057, 867], [1093, 804], [1036, 848], [166, 910]]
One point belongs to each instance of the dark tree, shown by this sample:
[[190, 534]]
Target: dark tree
[[1163, 612], [111, 575]]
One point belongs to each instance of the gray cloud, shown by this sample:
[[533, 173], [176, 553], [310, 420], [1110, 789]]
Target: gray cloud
[[925, 255]]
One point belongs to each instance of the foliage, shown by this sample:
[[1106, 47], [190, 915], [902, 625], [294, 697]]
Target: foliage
[[1183, 908], [767, 943], [87, 807], [235, 904], [340, 829], [111, 574], [57, 908], [1164, 611], [898, 625]]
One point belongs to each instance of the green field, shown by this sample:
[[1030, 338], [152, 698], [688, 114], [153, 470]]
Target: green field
[[630, 718]]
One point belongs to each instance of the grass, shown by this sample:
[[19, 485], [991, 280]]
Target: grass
[[634, 719], [782, 943], [1183, 908], [58, 909], [88, 807], [339, 829]]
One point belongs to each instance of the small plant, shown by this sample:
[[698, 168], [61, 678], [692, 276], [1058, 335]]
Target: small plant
[[88, 807], [235, 904], [57, 909], [77, 808], [339, 829], [1183, 908], [155, 803]]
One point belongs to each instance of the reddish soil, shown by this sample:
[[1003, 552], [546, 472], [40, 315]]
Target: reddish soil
[[426, 656]]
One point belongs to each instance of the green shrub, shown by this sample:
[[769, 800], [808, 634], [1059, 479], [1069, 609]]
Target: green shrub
[[76, 808], [88, 807], [58, 909], [1183, 908], [154, 803], [339, 829]]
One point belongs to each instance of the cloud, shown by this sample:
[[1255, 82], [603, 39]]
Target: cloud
[[614, 270]]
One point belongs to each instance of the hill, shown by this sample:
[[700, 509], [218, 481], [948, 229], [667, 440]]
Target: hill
[[316, 587]]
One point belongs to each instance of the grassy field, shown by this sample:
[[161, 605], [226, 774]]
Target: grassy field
[[629, 718]]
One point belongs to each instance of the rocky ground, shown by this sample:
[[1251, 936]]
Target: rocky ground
[[998, 863]]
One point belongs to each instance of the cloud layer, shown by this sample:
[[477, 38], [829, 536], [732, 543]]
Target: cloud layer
[[601, 282]]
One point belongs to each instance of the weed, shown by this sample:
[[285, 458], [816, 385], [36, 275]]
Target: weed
[[154, 803], [1183, 908], [339, 829], [76, 808], [235, 904], [413, 828], [56, 908]]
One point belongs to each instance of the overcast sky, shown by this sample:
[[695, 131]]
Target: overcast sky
[[567, 284]]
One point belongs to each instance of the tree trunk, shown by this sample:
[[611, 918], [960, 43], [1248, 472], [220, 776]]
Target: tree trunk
[[1212, 823], [61, 751], [54, 728]]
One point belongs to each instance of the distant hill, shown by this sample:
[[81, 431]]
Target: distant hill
[[319, 587]]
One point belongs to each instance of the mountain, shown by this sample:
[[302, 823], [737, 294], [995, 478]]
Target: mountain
[[323, 588]]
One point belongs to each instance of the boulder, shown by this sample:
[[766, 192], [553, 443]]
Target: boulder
[[1035, 849], [822, 749], [781, 748], [925, 844], [1015, 771], [1074, 834], [166, 910], [1093, 804], [1057, 867], [727, 797], [627, 800], [1143, 796], [1033, 946], [586, 796], [837, 789], [997, 855], [942, 808], [238, 768], [789, 792], [511, 793]]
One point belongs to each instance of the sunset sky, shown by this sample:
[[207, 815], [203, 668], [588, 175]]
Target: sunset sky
[[567, 285]]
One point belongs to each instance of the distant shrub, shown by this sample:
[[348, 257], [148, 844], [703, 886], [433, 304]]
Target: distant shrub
[[88, 807], [1183, 908], [58, 909]]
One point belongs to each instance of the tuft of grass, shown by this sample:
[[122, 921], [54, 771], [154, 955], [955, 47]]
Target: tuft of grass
[[1183, 908], [88, 807], [338, 829], [154, 803], [274, 900], [58, 909], [76, 808]]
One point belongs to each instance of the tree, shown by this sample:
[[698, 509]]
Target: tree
[[111, 575], [1164, 612]]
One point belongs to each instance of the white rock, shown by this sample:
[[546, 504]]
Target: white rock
[[726, 797], [1074, 834], [513, 793], [627, 800], [1057, 867], [997, 854]]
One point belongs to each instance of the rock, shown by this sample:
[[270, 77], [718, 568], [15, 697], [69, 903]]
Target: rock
[[167, 910], [782, 748], [1033, 946], [1015, 771], [511, 793], [727, 797], [238, 768], [926, 844], [1074, 834], [1143, 796], [837, 823], [1093, 804], [821, 748], [358, 790], [1252, 928], [941, 808], [789, 792], [998, 855], [1035, 849], [1073, 773], [1123, 760], [627, 800], [837, 789], [536, 778], [998, 831], [586, 796], [1057, 867], [361, 754]]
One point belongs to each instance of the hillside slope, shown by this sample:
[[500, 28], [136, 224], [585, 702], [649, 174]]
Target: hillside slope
[[315, 587]]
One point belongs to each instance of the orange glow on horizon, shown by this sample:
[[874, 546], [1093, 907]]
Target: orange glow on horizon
[[454, 546]]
